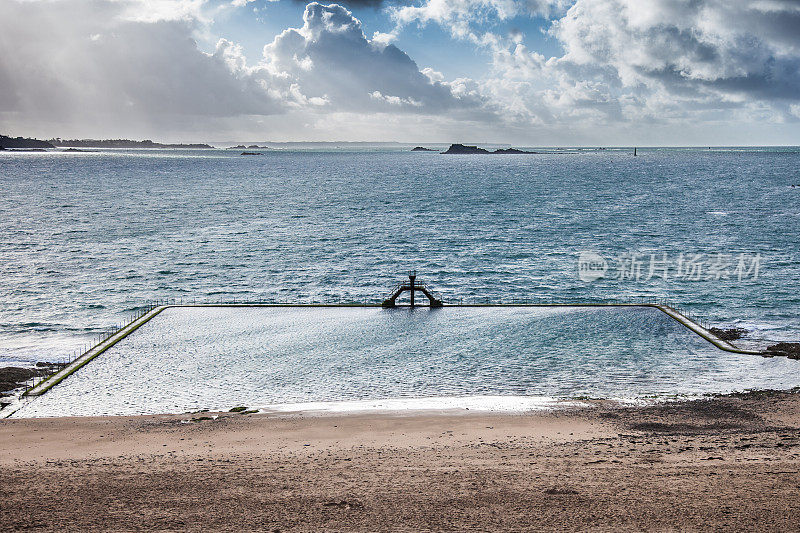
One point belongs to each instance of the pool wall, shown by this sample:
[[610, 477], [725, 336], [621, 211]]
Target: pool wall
[[152, 311]]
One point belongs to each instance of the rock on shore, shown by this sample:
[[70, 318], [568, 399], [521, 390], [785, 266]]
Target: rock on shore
[[730, 334], [14, 377], [786, 349]]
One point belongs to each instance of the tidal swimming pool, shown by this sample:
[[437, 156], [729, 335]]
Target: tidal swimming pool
[[192, 358]]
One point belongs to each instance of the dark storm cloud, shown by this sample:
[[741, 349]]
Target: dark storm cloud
[[714, 52]]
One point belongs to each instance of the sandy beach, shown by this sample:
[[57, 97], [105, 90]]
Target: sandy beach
[[729, 463]]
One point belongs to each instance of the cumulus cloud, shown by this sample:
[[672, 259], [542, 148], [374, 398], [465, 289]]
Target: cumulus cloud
[[375, 4], [329, 57], [465, 19]]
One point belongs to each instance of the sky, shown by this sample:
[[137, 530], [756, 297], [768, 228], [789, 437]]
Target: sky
[[523, 72]]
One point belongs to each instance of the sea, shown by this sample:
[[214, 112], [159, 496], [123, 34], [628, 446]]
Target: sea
[[88, 239]]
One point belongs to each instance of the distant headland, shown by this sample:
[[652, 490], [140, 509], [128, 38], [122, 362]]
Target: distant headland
[[22, 143]]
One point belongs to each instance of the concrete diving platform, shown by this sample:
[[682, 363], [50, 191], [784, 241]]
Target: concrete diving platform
[[412, 286]]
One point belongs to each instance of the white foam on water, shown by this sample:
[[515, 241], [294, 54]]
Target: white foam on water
[[442, 403]]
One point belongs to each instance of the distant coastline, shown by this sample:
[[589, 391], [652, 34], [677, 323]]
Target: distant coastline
[[27, 143], [120, 143]]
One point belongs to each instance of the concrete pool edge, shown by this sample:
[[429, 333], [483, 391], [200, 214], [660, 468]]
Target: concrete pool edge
[[56, 378], [101, 347]]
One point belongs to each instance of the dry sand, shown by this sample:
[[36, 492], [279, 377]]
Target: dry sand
[[729, 463]]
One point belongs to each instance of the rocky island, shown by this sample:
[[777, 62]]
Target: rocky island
[[251, 147], [469, 149], [422, 149], [512, 151]]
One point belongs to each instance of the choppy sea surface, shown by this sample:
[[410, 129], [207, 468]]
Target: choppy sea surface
[[86, 239]]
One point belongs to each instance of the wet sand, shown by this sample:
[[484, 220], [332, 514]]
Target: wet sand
[[730, 463]]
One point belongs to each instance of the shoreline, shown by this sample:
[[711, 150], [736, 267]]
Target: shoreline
[[726, 462], [410, 406], [413, 406]]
